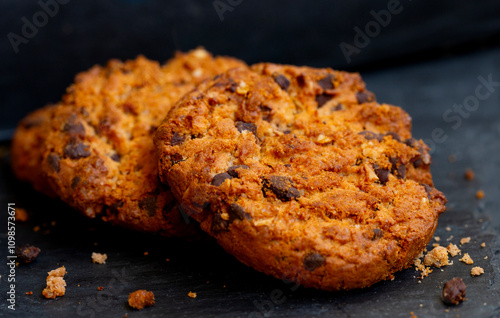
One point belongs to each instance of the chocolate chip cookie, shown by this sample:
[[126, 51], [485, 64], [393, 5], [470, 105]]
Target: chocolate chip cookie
[[299, 173], [98, 155]]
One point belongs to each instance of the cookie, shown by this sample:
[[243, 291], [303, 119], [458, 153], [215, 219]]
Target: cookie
[[98, 154], [299, 173]]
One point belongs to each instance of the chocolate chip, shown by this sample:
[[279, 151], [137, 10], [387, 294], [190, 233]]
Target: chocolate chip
[[412, 142], [377, 234], [27, 253], [322, 99], [337, 107], [327, 82], [76, 151], [115, 157], [401, 173], [382, 174], [176, 158], [266, 112], [417, 162], [113, 208], [74, 182], [219, 178], [241, 126], [149, 205], [74, 128], [218, 223], [177, 139], [53, 160], [454, 291], [281, 186], [364, 97], [313, 261], [237, 212], [394, 136], [301, 80], [232, 170], [282, 81], [129, 108], [369, 135], [428, 189]]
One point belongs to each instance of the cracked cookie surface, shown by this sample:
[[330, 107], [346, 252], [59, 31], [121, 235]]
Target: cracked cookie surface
[[299, 173]]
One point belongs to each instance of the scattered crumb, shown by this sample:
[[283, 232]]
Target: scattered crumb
[[36, 228], [435, 244], [452, 158], [453, 250], [483, 244], [99, 258], [192, 295], [447, 310], [465, 240], [448, 229], [141, 298], [413, 315], [476, 271], [486, 257], [29, 293], [27, 253], [21, 215], [437, 257], [56, 286], [450, 238], [454, 291], [480, 194], [466, 259], [437, 238], [100, 288], [469, 174], [146, 253]]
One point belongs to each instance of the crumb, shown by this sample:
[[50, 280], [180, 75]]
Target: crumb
[[437, 238], [466, 259], [56, 286], [53, 223], [469, 174], [435, 244], [437, 257], [146, 253], [125, 316], [141, 298], [413, 315], [450, 238], [486, 257], [453, 250], [452, 158], [99, 258], [27, 253], [454, 291], [168, 259], [29, 293], [21, 215], [476, 271], [192, 295], [425, 272], [447, 310], [100, 288], [465, 240], [36, 228], [480, 194], [448, 229], [483, 244]]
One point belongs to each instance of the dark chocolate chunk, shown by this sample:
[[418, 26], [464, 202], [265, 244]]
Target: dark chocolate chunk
[[282, 81], [327, 81], [428, 189], [417, 162], [115, 157], [369, 135], [394, 161], [377, 234], [53, 160], [74, 128], [401, 172], [114, 207], [322, 99], [337, 107], [177, 139], [76, 151], [241, 126], [313, 261], [75, 182], [129, 108], [281, 186], [454, 291], [232, 170], [382, 174], [394, 136], [301, 80], [219, 178], [412, 142], [27, 253], [237, 212], [365, 97], [218, 223], [149, 205], [266, 112], [176, 158]]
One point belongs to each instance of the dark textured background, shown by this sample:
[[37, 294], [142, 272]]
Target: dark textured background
[[426, 60]]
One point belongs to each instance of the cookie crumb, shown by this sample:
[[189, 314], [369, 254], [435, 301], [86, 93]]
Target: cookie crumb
[[146, 253], [476, 271], [192, 295], [480, 194], [56, 286], [454, 291], [168, 259], [450, 238], [453, 250], [27, 253], [469, 174], [448, 229], [36, 228], [466, 259], [21, 215], [29, 293], [452, 158], [438, 257], [483, 244], [437, 238], [486, 257], [465, 240], [140, 299], [99, 258], [100, 288], [413, 315]]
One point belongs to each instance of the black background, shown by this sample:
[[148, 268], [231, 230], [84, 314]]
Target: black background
[[427, 59]]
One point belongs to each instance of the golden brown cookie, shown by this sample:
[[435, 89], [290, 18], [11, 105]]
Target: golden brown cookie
[[98, 155], [301, 174]]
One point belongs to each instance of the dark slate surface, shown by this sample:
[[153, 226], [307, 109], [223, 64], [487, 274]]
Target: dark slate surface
[[229, 289]]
